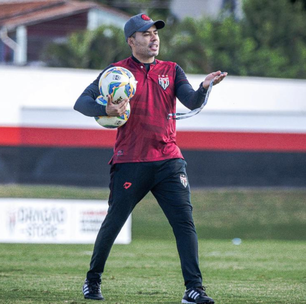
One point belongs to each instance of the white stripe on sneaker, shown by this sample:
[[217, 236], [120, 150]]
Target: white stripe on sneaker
[[85, 290], [193, 294]]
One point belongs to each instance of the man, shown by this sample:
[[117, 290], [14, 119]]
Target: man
[[146, 156]]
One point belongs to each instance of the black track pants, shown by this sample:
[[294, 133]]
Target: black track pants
[[129, 183]]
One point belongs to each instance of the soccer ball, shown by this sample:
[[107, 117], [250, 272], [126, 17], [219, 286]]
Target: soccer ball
[[118, 82], [112, 122]]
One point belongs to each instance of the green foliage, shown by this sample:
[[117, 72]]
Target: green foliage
[[90, 49], [270, 41], [184, 43], [201, 46], [278, 31]]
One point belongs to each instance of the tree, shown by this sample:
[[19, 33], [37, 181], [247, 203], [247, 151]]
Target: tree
[[277, 28], [303, 1], [183, 43], [90, 49], [270, 40], [202, 46]]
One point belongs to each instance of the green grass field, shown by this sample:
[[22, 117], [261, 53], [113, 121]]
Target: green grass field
[[268, 267]]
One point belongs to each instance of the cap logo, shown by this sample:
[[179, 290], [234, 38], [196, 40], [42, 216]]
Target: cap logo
[[145, 17]]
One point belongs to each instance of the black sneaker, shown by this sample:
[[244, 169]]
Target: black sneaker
[[92, 290], [197, 295]]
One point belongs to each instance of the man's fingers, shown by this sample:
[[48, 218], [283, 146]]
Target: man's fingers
[[220, 77], [125, 102], [110, 99], [116, 109], [123, 105]]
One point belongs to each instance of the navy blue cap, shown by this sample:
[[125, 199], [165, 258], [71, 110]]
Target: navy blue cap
[[140, 23]]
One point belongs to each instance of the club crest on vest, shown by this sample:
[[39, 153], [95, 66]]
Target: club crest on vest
[[163, 81]]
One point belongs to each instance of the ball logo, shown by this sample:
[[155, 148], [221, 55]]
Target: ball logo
[[145, 17], [116, 77]]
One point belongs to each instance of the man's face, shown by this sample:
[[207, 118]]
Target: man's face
[[145, 45]]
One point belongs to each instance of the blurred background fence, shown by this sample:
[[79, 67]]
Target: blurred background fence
[[252, 132]]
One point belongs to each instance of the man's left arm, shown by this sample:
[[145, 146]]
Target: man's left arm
[[189, 97]]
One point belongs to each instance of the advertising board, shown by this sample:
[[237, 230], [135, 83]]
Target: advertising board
[[54, 221]]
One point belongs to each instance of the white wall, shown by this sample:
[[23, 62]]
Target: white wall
[[45, 97]]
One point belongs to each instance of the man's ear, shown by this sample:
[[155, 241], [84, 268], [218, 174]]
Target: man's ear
[[130, 41]]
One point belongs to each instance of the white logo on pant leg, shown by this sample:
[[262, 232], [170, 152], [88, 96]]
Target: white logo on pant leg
[[184, 180]]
